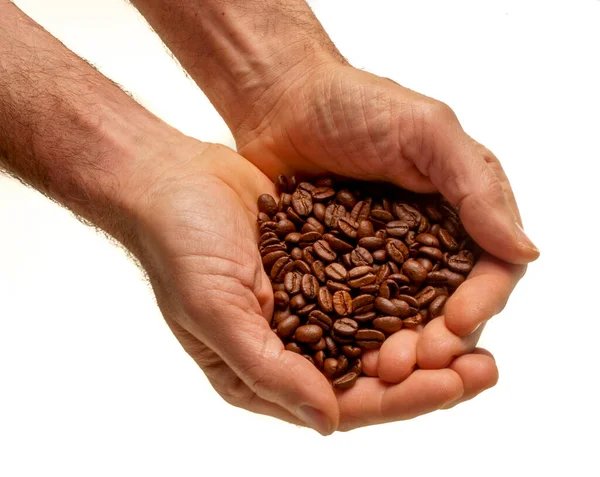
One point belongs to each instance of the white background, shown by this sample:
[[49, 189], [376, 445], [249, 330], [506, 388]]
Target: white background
[[93, 384]]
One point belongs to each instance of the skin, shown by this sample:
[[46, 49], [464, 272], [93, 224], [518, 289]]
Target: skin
[[186, 210]]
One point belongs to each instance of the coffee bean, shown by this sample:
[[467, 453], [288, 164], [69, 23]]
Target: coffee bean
[[426, 296], [294, 217], [373, 244], [330, 367], [346, 198], [397, 228], [333, 213], [369, 339], [408, 214], [323, 250], [280, 315], [361, 211], [410, 300], [347, 260], [302, 202], [399, 278], [394, 269], [298, 301], [365, 230], [365, 280], [318, 270], [345, 327], [296, 253], [343, 365], [278, 286], [325, 300], [361, 271], [310, 285], [282, 300], [460, 264], [305, 310], [434, 254], [262, 218], [319, 318], [361, 301], [388, 289], [269, 226], [293, 238], [387, 324], [396, 250], [361, 256], [337, 244], [337, 286], [351, 352], [433, 213], [319, 211], [385, 306], [357, 366], [308, 334], [293, 347], [447, 240], [279, 216], [273, 247], [312, 225], [336, 272], [342, 303], [267, 204], [437, 306], [288, 326], [364, 318], [322, 194], [309, 358], [425, 316], [266, 236], [307, 255], [318, 346], [348, 227], [280, 268], [413, 321], [414, 271], [381, 216], [292, 282], [346, 381], [324, 182], [435, 228], [428, 240], [451, 226], [426, 263], [332, 347], [282, 184]]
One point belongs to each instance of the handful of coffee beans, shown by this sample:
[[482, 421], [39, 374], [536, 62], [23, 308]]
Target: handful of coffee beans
[[351, 263]]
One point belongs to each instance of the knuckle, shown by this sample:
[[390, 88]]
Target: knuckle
[[438, 112]]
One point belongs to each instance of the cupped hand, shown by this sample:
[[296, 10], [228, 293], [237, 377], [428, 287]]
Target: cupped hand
[[337, 119]]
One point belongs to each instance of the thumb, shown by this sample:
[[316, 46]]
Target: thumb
[[460, 169]]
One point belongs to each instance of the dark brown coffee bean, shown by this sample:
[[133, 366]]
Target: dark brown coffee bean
[[269, 226], [454, 280], [435, 228], [309, 358], [411, 300], [362, 300], [307, 255], [325, 300], [337, 286], [412, 321], [333, 213], [436, 307], [282, 184], [345, 327], [397, 228], [280, 268], [434, 254], [293, 347], [447, 240], [365, 280], [426, 263], [288, 326], [357, 366], [323, 250], [365, 230], [296, 253], [399, 278], [425, 316], [267, 243], [308, 334], [302, 202], [428, 240], [310, 286], [262, 218], [346, 381], [396, 250], [278, 286], [332, 347], [293, 237], [267, 204], [305, 310], [382, 274], [371, 243], [269, 259], [309, 237], [318, 346], [298, 301], [426, 296], [394, 268], [330, 367], [346, 198], [365, 318], [317, 226], [404, 308], [309, 228], [351, 352], [343, 364], [387, 324], [324, 182], [408, 214], [307, 186], [361, 211], [342, 303], [387, 205], [381, 216], [318, 270], [280, 315], [369, 339], [266, 236], [414, 271], [336, 272], [433, 213], [322, 194], [460, 264], [292, 282], [294, 217], [385, 306], [285, 201], [337, 244], [347, 260], [272, 248], [361, 256], [424, 225], [319, 211], [388, 289], [282, 300], [319, 318], [348, 227], [279, 216], [361, 271]]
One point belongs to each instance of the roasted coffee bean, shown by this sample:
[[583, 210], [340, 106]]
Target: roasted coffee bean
[[447, 240], [369, 339], [323, 250], [381, 216], [319, 211], [387, 205], [424, 225], [361, 256], [282, 300], [388, 324], [318, 226], [292, 282], [310, 285], [294, 217], [298, 301], [408, 214], [262, 218], [319, 359], [333, 213], [345, 327], [267, 204], [362, 300], [293, 347], [309, 358], [318, 346], [305, 310], [337, 244], [426, 263], [346, 198], [274, 247], [347, 260], [396, 250], [318, 270], [437, 306], [394, 268], [269, 259], [361, 211], [432, 253], [336, 272], [364, 318], [451, 226], [365, 280], [397, 228], [426, 296], [332, 347], [266, 236], [282, 184], [433, 213], [428, 240], [325, 300], [288, 326], [382, 274], [280, 268], [267, 243], [346, 381], [371, 243], [365, 230], [460, 264], [388, 289], [296, 253], [306, 186], [351, 352], [278, 286], [293, 238], [302, 202], [348, 227], [412, 321], [343, 364], [324, 182], [435, 228], [285, 202], [269, 226], [414, 271], [319, 318], [330, 367], [425, 316], [357, 366], [280, 315], [307, 255], [411, 300], [342, 303], [308, 334], [371, 289], [361, 271], [279, 216], [301, 266], [399, 278], [337, 286], [385, 306], [309, 237], [322, 194]]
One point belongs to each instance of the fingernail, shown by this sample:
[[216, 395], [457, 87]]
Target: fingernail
[[525, 240], [315, 419]]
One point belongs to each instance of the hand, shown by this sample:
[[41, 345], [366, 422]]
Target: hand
[[342, 120]]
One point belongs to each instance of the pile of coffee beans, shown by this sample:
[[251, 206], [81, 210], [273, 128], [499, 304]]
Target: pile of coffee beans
[[352, 263]]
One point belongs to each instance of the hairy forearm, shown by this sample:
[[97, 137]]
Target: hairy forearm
[[67, 130], [238, 50]]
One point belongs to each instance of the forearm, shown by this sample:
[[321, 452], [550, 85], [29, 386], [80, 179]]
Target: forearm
[[238, 50], [67, 130]]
